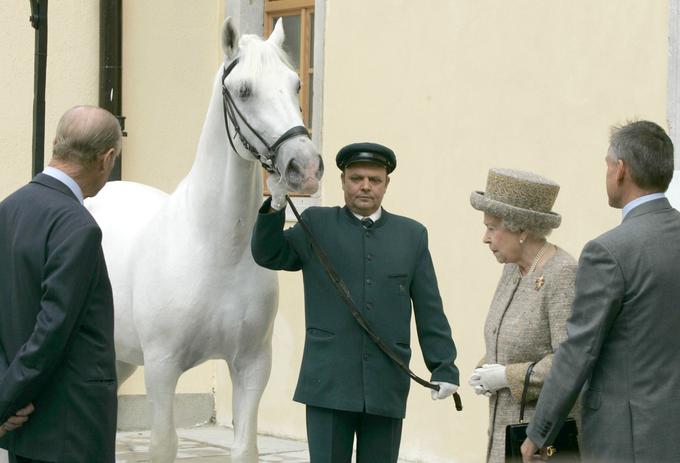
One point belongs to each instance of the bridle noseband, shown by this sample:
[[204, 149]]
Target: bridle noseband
[[231, 112]]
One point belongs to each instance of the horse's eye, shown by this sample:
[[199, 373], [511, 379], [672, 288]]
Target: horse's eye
[[299, 87], [245, 91]]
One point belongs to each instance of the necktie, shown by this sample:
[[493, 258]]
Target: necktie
[[367, 222]]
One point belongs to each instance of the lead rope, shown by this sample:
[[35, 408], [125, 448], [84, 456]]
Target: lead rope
[[345, 295]]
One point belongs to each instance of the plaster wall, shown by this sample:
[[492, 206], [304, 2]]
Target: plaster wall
[[454, 89], [72, 77], [170, 56]]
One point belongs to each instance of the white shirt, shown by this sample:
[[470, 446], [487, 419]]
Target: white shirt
[[639, 201], [374, 217], [66, 180]]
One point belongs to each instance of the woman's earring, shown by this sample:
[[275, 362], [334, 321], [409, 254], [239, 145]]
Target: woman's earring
[[521, 241]]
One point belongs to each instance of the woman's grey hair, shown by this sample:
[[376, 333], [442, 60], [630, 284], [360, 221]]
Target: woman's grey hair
[[535, 233], [85, 132], [648, 150]]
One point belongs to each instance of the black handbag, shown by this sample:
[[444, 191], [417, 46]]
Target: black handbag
[[565, 447]]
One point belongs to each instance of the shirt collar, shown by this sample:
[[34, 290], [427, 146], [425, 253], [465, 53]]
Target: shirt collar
[[639, 201], [374, 217], [66, 180]]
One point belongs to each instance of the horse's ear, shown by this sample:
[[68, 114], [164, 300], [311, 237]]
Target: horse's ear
[[277, 36], [229, 39]]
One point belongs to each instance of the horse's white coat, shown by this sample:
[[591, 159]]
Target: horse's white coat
[[186, 288]]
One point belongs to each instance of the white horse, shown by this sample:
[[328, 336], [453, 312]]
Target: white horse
[[186, 288]]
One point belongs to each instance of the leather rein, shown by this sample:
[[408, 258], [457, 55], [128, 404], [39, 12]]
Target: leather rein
[[346, 297]]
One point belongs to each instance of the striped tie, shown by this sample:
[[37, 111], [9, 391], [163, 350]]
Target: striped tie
[[367, 222]]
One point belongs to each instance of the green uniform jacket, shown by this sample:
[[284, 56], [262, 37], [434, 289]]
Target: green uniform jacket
[[386, 269]]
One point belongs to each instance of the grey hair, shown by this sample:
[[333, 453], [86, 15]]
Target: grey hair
[[85, 132], [536, 233], [648, 150]]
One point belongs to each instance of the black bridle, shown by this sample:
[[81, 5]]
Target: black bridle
[[231, 112]]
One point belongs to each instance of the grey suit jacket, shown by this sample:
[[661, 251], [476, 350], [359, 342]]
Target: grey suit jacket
[[623, 345]]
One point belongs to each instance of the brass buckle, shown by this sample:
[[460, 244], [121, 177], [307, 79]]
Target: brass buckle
[[550, 451]]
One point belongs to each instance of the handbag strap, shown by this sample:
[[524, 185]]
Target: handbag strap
[[527, 376]]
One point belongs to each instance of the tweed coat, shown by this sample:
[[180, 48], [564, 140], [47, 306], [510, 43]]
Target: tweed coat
[[386, 269], [56, 327], [623, 347], [526, 323]]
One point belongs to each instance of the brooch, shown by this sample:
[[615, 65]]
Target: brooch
[[540, 281]]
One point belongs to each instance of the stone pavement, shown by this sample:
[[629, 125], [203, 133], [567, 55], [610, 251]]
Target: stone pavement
[[209, 444], [205, 444]]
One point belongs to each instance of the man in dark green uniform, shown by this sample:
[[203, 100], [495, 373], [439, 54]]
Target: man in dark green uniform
[[350, 386]]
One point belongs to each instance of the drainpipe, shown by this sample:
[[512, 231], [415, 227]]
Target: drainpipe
[[111, 65], [39, 22]]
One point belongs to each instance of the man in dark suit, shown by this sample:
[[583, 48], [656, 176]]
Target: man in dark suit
[[349, 386], [56, 306], [623, 348]]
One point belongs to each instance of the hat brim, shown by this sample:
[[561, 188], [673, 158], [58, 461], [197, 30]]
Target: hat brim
[[526, 217], [368, 158]]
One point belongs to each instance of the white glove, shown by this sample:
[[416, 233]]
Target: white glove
[[488, 379], [445, 390], [278, 190], [476, 382]]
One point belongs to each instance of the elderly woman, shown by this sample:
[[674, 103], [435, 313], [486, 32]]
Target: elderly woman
[[527, 318]]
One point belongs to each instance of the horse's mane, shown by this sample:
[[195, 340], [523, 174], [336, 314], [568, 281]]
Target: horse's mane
[[257, 54]]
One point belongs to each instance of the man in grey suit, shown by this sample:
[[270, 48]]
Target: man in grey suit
[[623, 347]]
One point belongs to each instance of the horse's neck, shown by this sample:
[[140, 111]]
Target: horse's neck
[[223, 191]]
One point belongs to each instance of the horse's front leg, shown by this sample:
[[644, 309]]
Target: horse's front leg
[[249, 378], [160, 376]]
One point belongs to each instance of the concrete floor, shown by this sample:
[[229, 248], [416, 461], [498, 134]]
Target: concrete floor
[[205, 444], [208, 444]]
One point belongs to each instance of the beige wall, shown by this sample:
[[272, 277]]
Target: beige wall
[[72, 62], [170, 56], [455, 89]]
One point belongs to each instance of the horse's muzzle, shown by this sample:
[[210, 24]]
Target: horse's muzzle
[[303, 166]]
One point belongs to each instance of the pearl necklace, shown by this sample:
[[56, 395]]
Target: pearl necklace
[[537, 259]]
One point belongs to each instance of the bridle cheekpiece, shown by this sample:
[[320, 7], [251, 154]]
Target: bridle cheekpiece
[[232, 113]]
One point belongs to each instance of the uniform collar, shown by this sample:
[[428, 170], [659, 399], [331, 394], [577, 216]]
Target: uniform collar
[[382, 214], [374, 217]]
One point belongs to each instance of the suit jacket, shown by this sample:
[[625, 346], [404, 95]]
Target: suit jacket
[[385, 268], [56, 327], [623, 344]]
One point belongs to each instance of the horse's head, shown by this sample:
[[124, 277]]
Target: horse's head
[[262, 99]]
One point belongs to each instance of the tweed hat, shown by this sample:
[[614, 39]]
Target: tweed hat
[[523, 198]]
